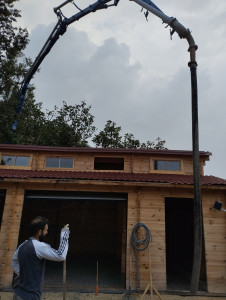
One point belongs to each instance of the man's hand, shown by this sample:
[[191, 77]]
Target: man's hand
[[65, 228]]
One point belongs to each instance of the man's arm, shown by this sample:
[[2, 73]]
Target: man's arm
[[44, 250]]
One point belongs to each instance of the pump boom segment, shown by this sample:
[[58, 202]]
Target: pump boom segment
[[59, 29]]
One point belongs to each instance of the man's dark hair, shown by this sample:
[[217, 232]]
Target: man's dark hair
[[37, 224]]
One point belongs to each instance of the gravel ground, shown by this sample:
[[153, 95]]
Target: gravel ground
[[76, 296]]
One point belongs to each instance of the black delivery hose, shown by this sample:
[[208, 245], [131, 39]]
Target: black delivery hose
[[140, 245]]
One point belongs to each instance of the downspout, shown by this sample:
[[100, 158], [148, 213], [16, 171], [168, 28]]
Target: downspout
[[185, 33]]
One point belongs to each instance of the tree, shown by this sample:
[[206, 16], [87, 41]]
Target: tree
[[13, 41], [14, 65], [130, 141], [30, 122], [157, 144], [111, 137], [70, 125]]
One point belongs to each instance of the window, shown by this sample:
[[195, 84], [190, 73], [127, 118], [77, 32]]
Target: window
[[108, 163], [168, 165], [11, 160], [59, 162]]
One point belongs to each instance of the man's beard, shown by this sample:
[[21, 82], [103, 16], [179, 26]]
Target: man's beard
[[42, 237]]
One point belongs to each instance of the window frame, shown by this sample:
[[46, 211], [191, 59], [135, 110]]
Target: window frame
[[28, 166], [153, 160], [59, 167]]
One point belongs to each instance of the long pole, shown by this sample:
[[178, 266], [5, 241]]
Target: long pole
[[185, 33], [97, 279], [64, 280], [197, 190]]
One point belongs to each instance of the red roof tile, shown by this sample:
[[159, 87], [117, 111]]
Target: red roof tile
[[110, 176]]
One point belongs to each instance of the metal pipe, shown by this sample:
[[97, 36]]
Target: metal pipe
[[197, 190], [61, 5]]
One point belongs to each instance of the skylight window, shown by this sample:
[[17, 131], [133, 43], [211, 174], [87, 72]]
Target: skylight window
[[12, 160], [167, 165], [59, 162]]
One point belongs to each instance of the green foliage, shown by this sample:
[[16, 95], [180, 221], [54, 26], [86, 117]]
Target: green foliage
[[110, 137], [69, 126], [13, 66], [130, 141], [13, 39], [30, 120]]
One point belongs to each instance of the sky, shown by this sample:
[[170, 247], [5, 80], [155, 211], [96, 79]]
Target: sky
[[131, 72]]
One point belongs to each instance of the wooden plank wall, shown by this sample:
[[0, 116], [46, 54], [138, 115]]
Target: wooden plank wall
[[141, 164], [215, 242], [9, 232], [148, 208], [132, 163], [84, 162], [146, 205]]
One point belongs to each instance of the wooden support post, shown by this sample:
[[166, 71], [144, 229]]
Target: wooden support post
[[9, 232]]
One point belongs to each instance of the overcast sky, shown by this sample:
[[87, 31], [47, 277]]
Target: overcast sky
[[131, 72]]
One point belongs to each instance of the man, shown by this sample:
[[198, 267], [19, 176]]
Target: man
[[28, 261]]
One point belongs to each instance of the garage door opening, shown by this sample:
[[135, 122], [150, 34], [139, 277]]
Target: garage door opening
[[180, 244], [97, 234]]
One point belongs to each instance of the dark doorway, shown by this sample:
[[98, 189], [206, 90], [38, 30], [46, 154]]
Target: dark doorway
[[98, 233], [2, 204], [180, 244]]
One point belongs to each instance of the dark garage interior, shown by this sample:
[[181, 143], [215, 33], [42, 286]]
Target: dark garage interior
[[97, 236], [180, 244]]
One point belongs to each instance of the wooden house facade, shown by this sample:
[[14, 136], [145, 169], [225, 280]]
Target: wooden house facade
[[103, 194]]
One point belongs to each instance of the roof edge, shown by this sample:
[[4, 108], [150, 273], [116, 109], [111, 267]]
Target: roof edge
[[99, 150]]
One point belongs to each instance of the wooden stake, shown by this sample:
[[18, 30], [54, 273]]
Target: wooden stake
[[97, 280], [154, 288], [150, 284], [150, 272], [64, 280]]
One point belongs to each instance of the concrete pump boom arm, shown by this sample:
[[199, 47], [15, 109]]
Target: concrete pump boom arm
[[58, 30], [63, 23], [173, 23]]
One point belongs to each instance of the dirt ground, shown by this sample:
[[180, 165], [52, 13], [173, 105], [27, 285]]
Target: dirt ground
[[77, 296]]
